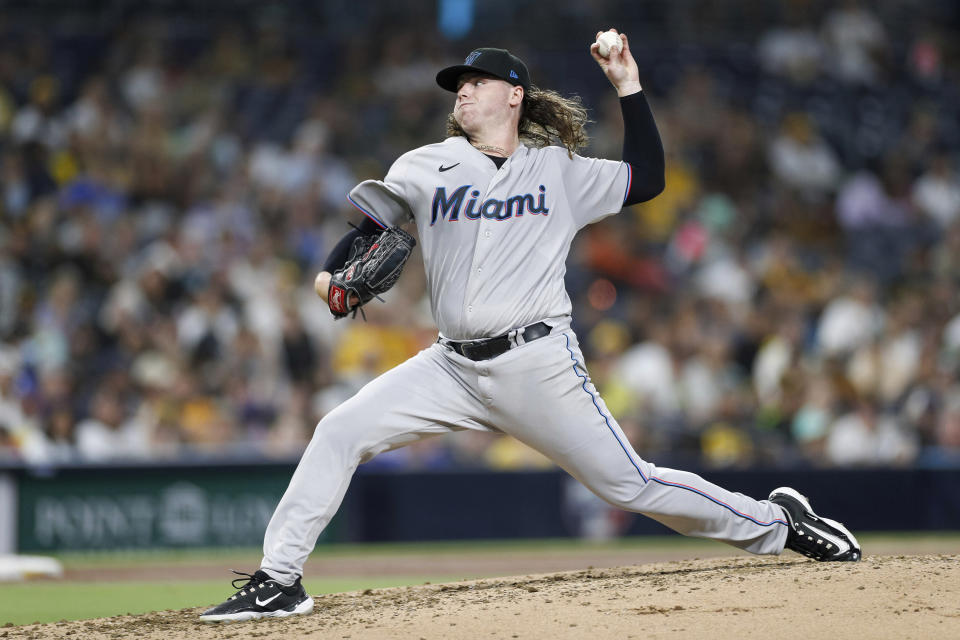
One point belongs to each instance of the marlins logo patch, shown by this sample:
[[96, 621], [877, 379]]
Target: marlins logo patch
[[473, 56]]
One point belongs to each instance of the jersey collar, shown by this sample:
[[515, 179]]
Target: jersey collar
[[463, 142]]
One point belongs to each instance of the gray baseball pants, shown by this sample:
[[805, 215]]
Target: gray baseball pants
[[539, 393]]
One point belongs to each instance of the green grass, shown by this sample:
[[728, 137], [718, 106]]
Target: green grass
[[244, 556], [52, 601]]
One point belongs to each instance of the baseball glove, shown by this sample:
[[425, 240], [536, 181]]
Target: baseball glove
[[373, 266]]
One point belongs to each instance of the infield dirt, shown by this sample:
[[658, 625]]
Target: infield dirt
[[729, 597]]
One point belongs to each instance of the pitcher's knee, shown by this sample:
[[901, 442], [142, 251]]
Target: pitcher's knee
[[345, 439], [623, 496]]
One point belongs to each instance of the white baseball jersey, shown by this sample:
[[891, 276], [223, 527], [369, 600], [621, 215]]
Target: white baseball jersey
[[494, 241]]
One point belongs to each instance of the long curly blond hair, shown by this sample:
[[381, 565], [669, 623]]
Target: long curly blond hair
[[546, 115]]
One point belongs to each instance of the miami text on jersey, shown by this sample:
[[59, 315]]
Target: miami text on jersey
[[449, 208]]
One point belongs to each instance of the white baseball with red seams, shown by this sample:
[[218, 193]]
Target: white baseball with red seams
[[495, 242]]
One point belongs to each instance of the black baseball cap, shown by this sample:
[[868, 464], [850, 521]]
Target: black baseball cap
[[497, 62]]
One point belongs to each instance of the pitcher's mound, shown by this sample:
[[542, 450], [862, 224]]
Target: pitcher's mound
[[881, 597]]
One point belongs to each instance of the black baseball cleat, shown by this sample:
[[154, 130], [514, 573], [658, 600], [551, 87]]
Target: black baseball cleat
[[260, 597], [812, 535]]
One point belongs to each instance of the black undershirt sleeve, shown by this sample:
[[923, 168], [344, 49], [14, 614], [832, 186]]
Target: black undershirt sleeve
[[338, 257], [642, 148]]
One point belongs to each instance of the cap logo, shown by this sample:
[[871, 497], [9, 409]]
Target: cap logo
[[470, 58], [513, 74]]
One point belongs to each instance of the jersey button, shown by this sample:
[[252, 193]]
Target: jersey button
[[470, 309], [486, 233], [479, 269]]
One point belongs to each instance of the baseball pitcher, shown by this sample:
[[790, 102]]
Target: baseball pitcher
[[496, 207]]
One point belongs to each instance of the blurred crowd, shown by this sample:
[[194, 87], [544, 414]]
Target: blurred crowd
[[172, 180]]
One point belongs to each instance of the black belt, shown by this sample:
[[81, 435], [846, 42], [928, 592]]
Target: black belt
[[492, 347]]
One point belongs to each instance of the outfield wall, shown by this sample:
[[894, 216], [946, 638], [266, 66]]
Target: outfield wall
[[199, 505]]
